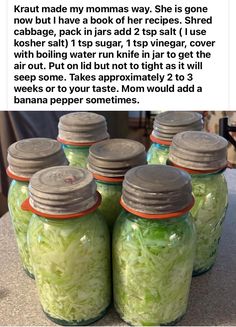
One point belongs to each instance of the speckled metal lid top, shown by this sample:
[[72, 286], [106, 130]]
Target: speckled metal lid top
[[113, 158], [157, 189], [199, 151], [83, 127], [28, 156], [169, 123], [62, 190]]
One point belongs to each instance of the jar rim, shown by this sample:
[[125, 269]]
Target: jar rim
[[158, 216], [26, 206]]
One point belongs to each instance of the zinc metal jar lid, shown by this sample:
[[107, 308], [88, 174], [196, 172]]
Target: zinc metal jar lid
[[113, 158], [157, 190], [199, 151], [82, 127], [62, 190], [169, 123], [28, 156]]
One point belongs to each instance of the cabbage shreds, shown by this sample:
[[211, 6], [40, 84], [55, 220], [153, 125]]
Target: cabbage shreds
[[18, 193], [77, 156], [211, 199], [110, 207], [157, 154], [71, 260], [152, 268]]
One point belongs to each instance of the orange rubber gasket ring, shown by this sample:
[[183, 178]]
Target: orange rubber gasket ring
[[26, 206], [159, 141], [78, 143], [160, 216], [200, 172], [18, 178], [108, 179]]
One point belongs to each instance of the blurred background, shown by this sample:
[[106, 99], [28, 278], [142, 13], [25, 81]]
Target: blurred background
[[136, 125]]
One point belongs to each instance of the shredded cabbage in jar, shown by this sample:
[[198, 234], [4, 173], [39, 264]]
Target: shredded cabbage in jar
[[158, 154], [17, 194], [110, 207], [152, 268], [71, 259], [77, 156], [211, 198]]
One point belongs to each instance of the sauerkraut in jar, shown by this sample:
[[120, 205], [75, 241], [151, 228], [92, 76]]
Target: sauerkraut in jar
[[204, 156], [26, 157], [109, 161], [70, 246], [153, 247]]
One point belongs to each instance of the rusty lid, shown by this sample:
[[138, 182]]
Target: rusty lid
[[169, 123], [62, 190], [113, 158], [28, 156], [82, 127], [199, 151], [157, 189]]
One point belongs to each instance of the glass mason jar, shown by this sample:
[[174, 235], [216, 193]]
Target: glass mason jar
[[109, 160], [204, 156], [76, 155], [211, 199], [77, 131], [110, 207], [153, 254], [165, 126], [70, 251], [25, 157], [17, 194]]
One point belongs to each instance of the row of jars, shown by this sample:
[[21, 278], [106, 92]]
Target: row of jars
[[61, 219]]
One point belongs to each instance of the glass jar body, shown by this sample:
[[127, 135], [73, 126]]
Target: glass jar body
[[76, 155], [71, 260], [211, 198], [17, 194], [110, 207], [158, 154], [152, 268]]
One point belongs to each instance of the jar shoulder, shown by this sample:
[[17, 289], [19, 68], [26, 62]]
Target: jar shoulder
[[160, 232], [91, 225], [213, 184]]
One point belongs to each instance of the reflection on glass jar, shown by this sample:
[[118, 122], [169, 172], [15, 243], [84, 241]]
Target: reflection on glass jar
[[158, 154]]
